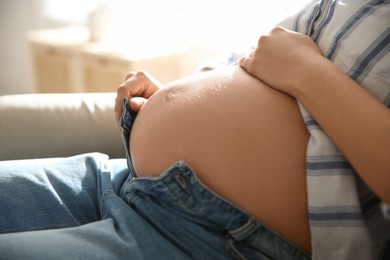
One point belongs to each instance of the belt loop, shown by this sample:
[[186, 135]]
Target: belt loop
[[246, 230]]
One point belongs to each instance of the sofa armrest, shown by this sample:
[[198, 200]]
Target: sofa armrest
[[56, 125]]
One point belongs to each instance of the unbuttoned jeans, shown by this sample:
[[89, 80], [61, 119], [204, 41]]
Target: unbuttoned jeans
[[92, 207]]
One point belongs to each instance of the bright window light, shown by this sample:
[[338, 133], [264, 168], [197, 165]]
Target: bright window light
[[222, 24]]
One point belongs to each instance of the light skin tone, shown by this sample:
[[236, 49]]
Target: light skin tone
[[267, 115], [244, 140], [362, 132]]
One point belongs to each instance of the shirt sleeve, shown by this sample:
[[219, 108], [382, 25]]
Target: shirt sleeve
[[302, 21]]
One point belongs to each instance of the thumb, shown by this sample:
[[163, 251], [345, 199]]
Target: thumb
[[137, 103], [245, 62]]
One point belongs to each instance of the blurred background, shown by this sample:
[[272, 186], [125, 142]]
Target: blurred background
[[89, 45]]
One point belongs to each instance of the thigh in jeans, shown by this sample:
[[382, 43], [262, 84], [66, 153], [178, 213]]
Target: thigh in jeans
[[50, 193]]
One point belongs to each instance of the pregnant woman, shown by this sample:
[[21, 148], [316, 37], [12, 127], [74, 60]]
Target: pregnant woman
[[283, 157], [245, 140]]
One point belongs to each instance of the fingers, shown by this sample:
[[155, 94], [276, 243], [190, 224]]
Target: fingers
[[137, 102], [135, 84], [250, 63], [246, 61], [129, 75], [139, 83], [278, 29], [121, 93], [243, 62]]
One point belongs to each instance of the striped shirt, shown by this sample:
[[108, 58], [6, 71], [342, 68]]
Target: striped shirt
[[347, 220]]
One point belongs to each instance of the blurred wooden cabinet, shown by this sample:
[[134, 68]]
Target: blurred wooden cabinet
[[104, 70], [102, 73], [65, 61], [52, 69]]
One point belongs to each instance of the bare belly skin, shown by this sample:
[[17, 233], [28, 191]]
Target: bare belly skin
[[245, 140]]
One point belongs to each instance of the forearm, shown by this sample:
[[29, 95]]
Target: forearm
[[357, 122]]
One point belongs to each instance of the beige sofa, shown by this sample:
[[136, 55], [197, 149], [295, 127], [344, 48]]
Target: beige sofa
[[57, 125]]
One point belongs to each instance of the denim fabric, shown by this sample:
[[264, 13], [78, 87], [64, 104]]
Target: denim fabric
[[71, 209], [51, 193], [201, 223], [91, 207]]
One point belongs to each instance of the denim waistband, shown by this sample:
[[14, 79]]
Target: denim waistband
[[126, 123], [179, 190], [180, 187]]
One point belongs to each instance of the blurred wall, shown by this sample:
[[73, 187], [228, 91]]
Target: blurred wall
[[17, 17]]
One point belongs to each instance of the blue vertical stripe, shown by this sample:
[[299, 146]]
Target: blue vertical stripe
[[309, 121], [379, 48], [309, 22], [297, 21], [351, 24], [327, 18], [309, 25]]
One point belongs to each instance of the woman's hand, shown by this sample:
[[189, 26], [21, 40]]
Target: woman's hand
[[281, 58], [358, 123], [138, 87]]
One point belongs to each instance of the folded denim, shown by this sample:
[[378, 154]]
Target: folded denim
[[180, 206]]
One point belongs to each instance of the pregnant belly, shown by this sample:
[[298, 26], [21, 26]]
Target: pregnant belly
[[245, 140]]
